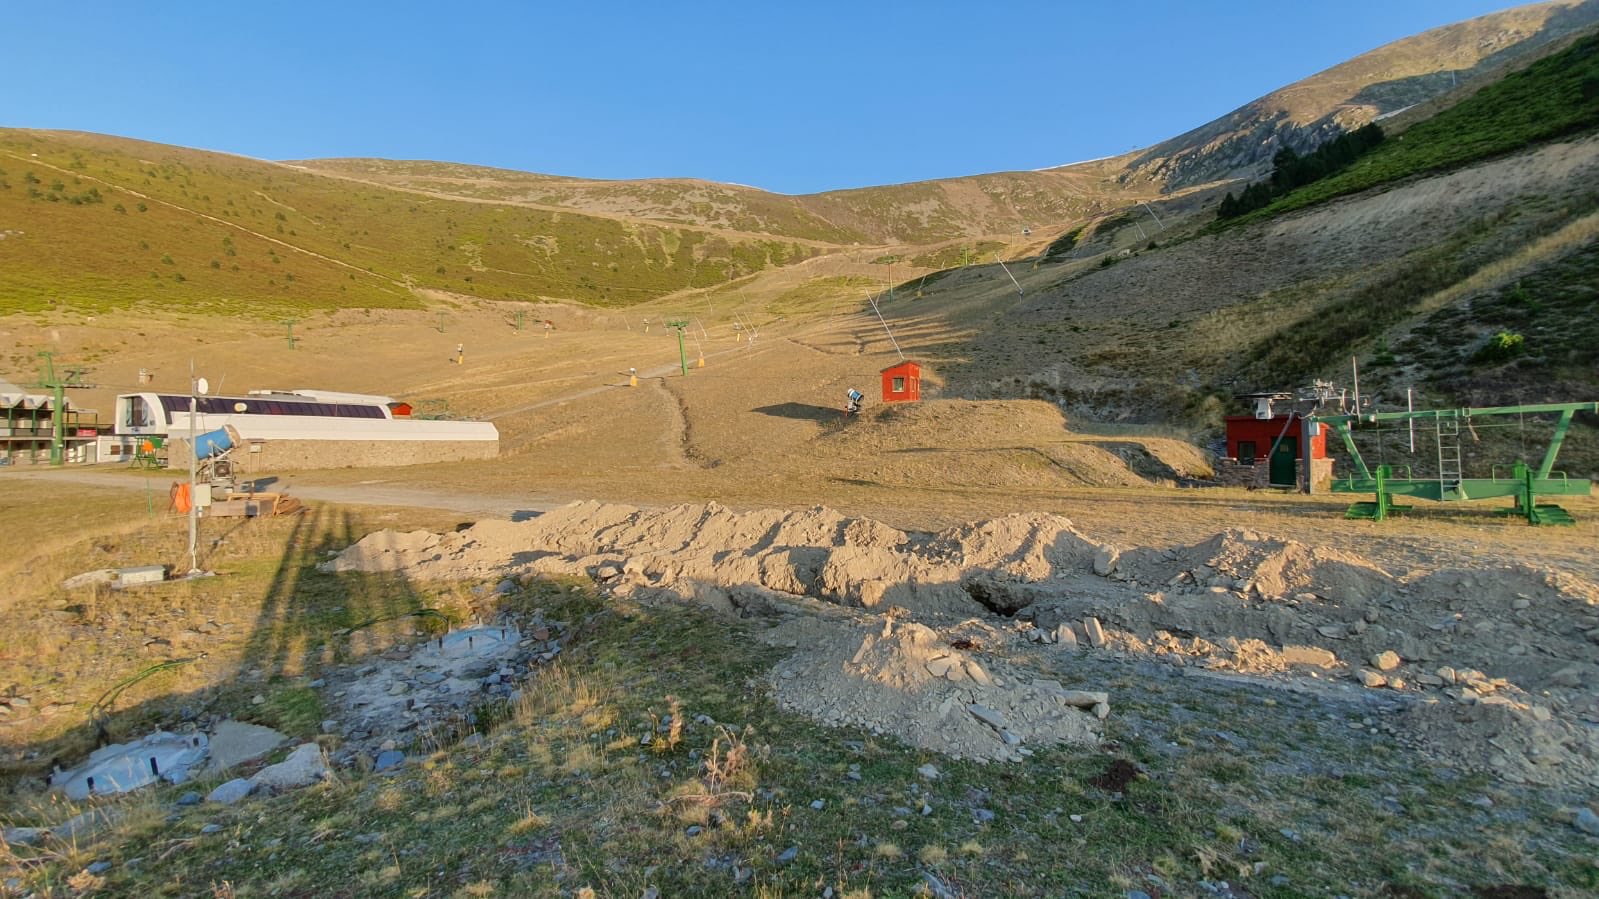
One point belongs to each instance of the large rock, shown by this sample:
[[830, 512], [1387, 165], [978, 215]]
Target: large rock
[[232, 791], [1314, 656], [305, 766], [987, 715], [1096, 633], [1105, 559]]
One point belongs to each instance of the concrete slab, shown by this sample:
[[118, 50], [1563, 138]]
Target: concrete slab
[[236, 742], [127, 766], [470, 642], [141, 574]]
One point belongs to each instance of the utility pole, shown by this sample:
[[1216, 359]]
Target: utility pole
[[680, 325], [197, 386]]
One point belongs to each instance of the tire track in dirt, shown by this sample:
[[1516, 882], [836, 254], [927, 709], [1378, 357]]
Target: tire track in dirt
[[678, 438]]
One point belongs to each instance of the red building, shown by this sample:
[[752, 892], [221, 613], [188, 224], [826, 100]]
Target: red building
[[902, 383], [1250, 439]]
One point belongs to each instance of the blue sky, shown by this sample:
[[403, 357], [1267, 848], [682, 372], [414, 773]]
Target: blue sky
[[793, 97]]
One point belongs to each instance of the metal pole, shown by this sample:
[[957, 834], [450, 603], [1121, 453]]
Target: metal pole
[[1307, 429], [194, 469], [1354, 367], [1153, 216], [885, 326], [1410, 406], [59, 422], [1009, 275]]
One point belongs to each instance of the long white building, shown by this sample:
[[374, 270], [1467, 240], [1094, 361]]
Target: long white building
[[296, 429]]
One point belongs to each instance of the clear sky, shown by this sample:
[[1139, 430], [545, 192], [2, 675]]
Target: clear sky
[[794, 97]]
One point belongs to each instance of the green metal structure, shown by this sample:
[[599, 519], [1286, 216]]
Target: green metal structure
[[680, 325], [1519, 481], [49, 380]]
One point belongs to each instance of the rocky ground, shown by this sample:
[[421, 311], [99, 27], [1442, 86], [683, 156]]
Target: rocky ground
[[957, 640]]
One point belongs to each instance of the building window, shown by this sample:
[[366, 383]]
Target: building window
[[1246, 452], [899, 385]]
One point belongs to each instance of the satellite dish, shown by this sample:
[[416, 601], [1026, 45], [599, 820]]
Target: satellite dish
[[202, 386]]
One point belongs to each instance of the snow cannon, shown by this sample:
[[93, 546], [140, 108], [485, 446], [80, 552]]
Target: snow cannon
[[215, 443]]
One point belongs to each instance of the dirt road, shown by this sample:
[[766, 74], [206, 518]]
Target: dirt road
[[374, 494]]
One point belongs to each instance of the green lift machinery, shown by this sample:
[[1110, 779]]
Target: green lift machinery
[[1518, 480]]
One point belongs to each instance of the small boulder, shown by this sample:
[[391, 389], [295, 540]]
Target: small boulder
[[1105, 559], [1387, 660], [304, 766], [1313, 656], [1096, 633], [232, 791]]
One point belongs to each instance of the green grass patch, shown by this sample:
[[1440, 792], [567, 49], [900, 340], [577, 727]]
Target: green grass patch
[[1552, 98]]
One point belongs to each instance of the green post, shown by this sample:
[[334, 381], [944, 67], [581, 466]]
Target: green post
[[290, 326], [60, 425], [441, 323], [520, 316], [1383, 473], [1559, 437], [680, 325]]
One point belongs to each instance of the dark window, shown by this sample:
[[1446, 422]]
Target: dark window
[[899, 385], [223, 405], [1246, 452]]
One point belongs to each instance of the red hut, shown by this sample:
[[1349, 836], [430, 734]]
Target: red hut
[[902, 383], [1274, 437]]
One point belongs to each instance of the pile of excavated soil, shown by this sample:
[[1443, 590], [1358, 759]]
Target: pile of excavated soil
[[908, 680], [1504, 657], [723, 556]]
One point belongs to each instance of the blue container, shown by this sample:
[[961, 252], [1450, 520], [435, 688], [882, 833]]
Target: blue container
[[212, 443]]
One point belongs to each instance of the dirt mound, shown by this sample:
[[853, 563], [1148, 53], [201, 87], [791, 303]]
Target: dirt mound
[[1243, 560], [908, 680], [686, 549], [1470, 649]]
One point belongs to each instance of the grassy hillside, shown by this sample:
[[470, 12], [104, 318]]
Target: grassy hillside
[[677, 200], [1353, 93], [1555, 96], [916, 213], [99, 222]]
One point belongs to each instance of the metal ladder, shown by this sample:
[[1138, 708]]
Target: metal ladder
[[1449, 467]]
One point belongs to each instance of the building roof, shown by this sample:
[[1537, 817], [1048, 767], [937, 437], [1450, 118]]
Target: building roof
[[13, 397], [904, 364]]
